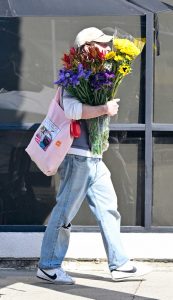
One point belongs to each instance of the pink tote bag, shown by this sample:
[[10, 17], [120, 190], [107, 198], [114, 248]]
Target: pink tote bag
[[52, 139]]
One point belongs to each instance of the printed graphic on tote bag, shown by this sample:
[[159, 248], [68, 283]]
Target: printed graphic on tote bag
[[46, 134]]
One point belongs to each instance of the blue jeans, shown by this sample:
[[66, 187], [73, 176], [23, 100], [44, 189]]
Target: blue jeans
[[82, 177]]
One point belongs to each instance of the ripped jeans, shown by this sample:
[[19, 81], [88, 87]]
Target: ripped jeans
[[83, 177]]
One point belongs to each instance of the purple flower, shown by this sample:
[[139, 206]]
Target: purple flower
[[74, 80], [87, 74], [80, 71], [63, 77], [109, 74], [101, 79], [72, 77]]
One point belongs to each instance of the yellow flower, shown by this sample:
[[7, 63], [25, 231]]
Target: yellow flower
[[128, 57], [110, 55], [127, 47], [118, 57], [124, 69]]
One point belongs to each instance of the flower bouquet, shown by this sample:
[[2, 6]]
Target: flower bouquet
[[93, 77]]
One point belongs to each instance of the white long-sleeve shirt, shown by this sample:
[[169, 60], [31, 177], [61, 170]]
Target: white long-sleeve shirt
[[72, 107]]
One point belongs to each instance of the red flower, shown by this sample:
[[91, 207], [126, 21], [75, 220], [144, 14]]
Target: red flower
[[72, 51], [66, 61], [101, 54], [66, 58]]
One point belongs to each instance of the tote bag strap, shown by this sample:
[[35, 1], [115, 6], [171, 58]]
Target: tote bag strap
[[58, 95]]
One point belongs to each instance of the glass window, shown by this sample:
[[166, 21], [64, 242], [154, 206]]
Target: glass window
[[30, 55], [163, 99], [27, 196], [162, 179], [125, 160]]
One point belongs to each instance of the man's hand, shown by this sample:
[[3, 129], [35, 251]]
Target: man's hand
[[112, 107]]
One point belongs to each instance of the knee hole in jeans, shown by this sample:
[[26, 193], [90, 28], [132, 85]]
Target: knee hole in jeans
[[66, 226]]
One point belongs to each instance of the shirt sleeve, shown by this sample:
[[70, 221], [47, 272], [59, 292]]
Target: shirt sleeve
[[72, 107]]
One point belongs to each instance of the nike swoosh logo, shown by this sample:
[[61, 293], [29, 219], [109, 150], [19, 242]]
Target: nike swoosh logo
[[53, 277]]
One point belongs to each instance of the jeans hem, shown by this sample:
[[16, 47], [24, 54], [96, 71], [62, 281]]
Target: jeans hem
[[117, 266], [49, 267]]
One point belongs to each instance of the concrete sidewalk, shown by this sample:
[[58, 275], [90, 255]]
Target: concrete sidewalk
[[92, 282]]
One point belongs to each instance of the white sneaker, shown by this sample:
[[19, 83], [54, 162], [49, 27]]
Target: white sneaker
[[57, 276], [129, 270]]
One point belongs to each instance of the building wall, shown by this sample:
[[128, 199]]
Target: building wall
[[138, 245]]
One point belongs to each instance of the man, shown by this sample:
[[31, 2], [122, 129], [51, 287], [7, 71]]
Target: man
[[83, 175]]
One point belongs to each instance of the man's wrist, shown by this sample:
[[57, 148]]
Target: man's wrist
[[105, 109]]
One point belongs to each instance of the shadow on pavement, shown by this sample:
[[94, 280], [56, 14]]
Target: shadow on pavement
[[101, 277], [26, 282]]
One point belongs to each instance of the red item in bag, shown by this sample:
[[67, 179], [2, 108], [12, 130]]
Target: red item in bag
[[75, 129]]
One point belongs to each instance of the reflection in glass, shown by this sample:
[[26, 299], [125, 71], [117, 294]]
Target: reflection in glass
[[125, 160], [27, 196], [163, 102], [30, 55], [162, 180]]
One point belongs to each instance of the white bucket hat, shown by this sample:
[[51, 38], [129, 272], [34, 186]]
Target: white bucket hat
[[91, 34]]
